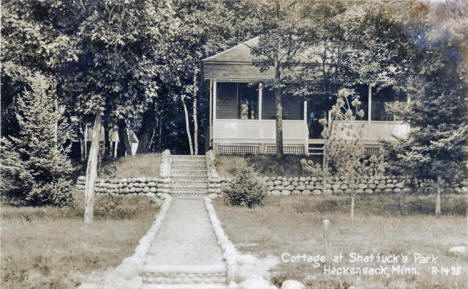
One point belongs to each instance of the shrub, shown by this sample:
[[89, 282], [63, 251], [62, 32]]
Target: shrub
[[115, 206], [247, 189], [35, 167]]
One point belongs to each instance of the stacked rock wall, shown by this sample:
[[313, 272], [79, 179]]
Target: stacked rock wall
[[315, 185], [135, 186], [214, 181], [128, 186]]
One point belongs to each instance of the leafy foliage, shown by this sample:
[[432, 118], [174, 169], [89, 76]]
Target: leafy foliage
[[35, 167], [247, 189], [343, 148], [436, 114]]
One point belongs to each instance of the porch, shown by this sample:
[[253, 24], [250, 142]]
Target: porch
[[238, 136], [242, 110]]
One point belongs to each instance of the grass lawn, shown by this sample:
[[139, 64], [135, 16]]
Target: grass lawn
[[294, 225], [265, 165], [140, 165], [52, 248]]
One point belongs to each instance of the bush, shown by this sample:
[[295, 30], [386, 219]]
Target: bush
[[115, 206], [35, 168], [247, 189]]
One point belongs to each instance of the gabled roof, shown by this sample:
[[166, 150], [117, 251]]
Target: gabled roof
[[237, 62], [240, 53]]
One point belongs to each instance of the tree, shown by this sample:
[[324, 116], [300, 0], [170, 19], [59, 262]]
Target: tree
[[345, 154], [35, 38], [282, 36], [115, 75], [205, 28], [35, 166], [435, 148]]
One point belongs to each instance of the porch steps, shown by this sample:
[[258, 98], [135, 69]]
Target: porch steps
[[316, 149], [189, 177], [184, 277]]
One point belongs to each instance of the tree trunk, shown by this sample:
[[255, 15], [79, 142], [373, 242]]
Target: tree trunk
[[439, 188], [146, 132], [195, 113], [187, 125], [107, 143], [85, 156], [56, 124], [91, 170], [279, 114]]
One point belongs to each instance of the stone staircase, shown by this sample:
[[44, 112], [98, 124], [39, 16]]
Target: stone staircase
[[185, 277], [189, 177]]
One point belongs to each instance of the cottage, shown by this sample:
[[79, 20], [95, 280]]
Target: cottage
[[242, 112]]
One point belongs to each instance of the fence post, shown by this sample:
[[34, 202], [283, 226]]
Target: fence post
[[326, 236]]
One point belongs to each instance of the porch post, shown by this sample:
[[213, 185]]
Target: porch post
[[306, 143], [215, 148], [211, 111], [214, 100], [260, 100], [369, 103], [305, 111]]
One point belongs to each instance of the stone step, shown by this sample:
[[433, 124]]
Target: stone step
[[180, 160], [189, 176], [189, 168], [189, 196], [192, 177], [184, 180], [182, 286], [188, 157], [178, 187], [189, 191], [189, 173], [207, 275], [188, 165]]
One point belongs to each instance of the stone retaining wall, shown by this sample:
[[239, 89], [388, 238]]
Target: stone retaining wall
[[135, 186], [315, 186], [214, 181], [128, 186]]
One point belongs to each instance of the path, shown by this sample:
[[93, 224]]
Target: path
[[184, 253], [185, 237]]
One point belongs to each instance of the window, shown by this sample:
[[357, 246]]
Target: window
[[363, 92], [236, 101], [293, 106], [247, 100], [384, 100]]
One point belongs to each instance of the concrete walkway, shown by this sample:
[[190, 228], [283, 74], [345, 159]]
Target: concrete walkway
[[185, 237]]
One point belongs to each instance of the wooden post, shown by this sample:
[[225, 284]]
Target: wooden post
[[215, 92], [306, 142], [369, 103], [91, 170], [211, 111], [439, 188], [260, 100], [326, 235], [466, 246]]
